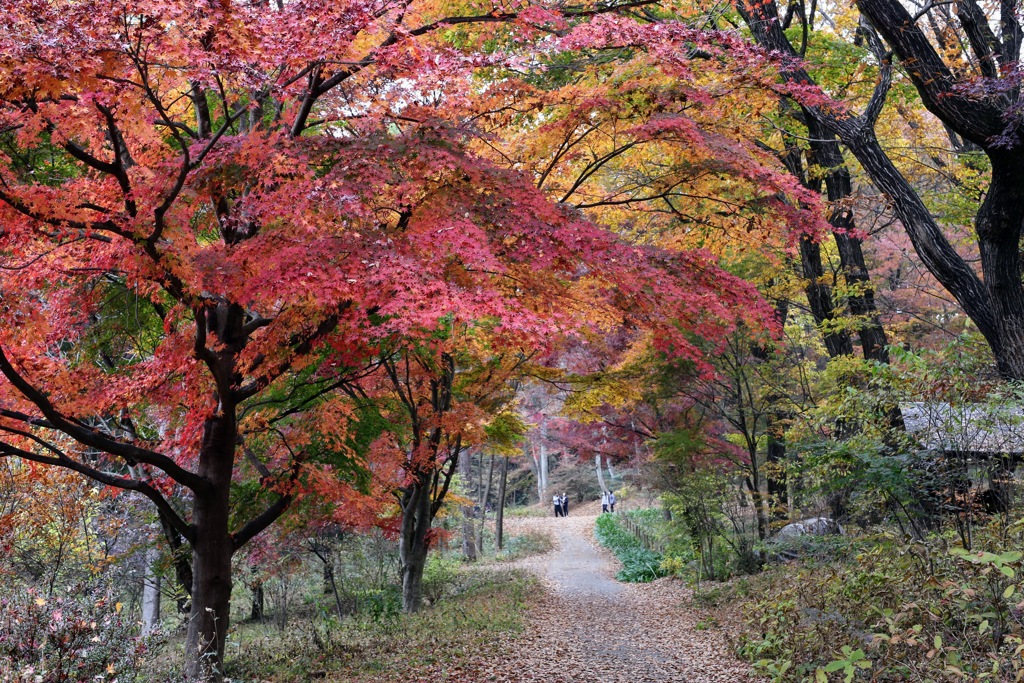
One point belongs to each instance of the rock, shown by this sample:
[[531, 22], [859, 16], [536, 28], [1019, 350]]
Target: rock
[[815, 526]]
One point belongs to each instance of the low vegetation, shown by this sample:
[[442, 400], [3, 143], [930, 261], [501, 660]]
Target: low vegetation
[[639, 564], [893, 610], [478, 609]]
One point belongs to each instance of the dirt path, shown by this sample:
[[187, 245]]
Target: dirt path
[[590, 627]]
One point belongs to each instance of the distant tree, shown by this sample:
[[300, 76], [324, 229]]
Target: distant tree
[[965, 68]]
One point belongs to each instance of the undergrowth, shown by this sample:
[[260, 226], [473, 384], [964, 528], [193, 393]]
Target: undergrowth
[[524, 545], [894, 610], [381, 645]]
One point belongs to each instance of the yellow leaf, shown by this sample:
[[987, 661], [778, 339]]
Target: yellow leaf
[[117, 607], [40, 602]]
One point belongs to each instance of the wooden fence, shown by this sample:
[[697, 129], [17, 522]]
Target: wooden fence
[[647, 539]]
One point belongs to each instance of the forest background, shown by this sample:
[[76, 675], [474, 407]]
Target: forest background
[[278, 279]]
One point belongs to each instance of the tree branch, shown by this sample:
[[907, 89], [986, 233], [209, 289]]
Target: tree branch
[[90, 437]]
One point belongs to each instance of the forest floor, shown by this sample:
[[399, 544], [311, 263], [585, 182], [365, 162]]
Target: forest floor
[[589, 627]]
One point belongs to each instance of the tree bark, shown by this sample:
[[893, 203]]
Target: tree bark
[[211, 552], [413, 548], [483, 505], [543, 462], [827, 155], [211, 597], [256, 609], [499, 516], [600, 474], [468, 526], [150, 593]]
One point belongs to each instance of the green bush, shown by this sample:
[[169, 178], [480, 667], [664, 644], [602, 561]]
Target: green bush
[[639, 565], [440, 576]]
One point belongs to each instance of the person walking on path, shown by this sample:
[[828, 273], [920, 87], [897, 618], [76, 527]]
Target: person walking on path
[[611, 501], [604, 502], [565, 504], [556, 500]]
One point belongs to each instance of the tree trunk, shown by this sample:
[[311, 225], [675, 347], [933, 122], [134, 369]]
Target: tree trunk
[[600, 474], [413, 548], [181, 559], [499, 516], [468, 528], [998, 224], [775, 461], [211, 551], [828, 157], [150, 593], [257, 609], [544, 459], [483, 505], [211, 595]]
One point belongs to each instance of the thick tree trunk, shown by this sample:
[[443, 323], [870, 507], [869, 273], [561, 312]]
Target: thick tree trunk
[[413, 548], [211, 551], [499, 517], [211, 595], [998, 224]]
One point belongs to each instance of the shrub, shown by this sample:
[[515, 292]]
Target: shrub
[[895, 611], [57, 639], [439, 576]]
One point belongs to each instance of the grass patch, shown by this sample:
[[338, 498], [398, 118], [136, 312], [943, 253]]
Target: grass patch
[[524, 545], [639, 565], [384, 645]]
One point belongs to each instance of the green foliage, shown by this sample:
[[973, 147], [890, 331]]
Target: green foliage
[[639, 565], [858, 452], [505, 432], [707, 538], [439, 576]]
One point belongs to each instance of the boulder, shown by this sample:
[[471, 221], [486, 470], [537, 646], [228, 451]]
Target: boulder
[[815, 526]]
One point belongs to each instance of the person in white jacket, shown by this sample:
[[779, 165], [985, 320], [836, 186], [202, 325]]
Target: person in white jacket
[[556, 500], [604, 501]]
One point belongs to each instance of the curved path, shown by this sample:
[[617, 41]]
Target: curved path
[[591, 628]]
